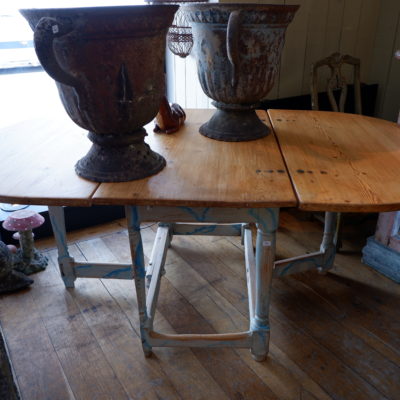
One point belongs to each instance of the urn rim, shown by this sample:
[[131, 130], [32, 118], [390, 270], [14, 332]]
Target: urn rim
[[102, 9], [236, 6]]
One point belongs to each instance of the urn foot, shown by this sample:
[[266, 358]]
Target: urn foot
[[119, 158], [234, 126]]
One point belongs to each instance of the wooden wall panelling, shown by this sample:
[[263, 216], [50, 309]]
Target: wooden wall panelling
[[333, 31], [193, 87], [170, 75], [180, 81], [292, 63], [315, 46], [350, 26], [192, 82], [368, 23], [391, 103], [350, 29], [383, 46]]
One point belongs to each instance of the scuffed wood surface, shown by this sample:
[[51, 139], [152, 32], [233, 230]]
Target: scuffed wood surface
[[332, 337], [206, 172], [37, 163], [340, 162]]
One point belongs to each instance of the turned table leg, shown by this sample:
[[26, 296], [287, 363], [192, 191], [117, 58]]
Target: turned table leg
[[267, 223]]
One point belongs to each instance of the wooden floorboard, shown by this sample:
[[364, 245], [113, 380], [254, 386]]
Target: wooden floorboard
[[333, 336]]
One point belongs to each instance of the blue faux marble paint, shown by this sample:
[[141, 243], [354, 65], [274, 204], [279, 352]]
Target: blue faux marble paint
[[296, 262], [134, 226], [330, 259], [139, 260], [257, 324], [133, 218], [117, 272], [59, 233], [84, 266], [237, 227], [273, 217], [192, 212]]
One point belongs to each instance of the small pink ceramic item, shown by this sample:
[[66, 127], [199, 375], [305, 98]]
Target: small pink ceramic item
[[28, 259]]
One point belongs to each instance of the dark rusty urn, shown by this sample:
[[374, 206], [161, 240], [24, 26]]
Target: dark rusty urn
[[108, 64], [238, 49]]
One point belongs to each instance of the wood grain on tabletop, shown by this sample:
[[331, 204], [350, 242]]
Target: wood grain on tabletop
[[340, 162], [206, 172], [37, 163]]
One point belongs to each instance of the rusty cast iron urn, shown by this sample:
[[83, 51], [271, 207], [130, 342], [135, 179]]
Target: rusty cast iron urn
[[238, 49], [108, 64]]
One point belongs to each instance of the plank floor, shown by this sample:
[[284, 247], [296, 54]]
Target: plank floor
[[334, 336]]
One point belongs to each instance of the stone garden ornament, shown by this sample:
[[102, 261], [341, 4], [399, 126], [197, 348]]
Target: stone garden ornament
[[238, 49], [27, 259], [10, 280]]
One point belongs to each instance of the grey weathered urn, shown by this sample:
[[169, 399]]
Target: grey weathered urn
[[238, 49], [108, 63]]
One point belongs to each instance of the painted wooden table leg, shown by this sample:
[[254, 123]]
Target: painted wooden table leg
[[136, 248], [267, 223], [329, 241], [65, 261]]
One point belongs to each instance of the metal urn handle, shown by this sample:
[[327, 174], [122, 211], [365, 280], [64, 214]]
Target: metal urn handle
[[232, 43], [46, 31]]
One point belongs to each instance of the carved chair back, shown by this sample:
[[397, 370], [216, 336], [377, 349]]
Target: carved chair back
[[337, 81]]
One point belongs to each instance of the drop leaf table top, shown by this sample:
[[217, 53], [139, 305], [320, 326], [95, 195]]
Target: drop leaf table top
[[314, 160], [340, 162]]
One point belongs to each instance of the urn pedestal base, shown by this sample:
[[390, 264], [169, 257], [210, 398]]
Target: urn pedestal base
[[119, 158], [234, 126]]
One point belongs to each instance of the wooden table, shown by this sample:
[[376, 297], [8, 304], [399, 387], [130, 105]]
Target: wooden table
[[324, 161]]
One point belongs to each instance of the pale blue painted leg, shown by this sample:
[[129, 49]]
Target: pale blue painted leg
[[136, 247], [328, 244], [65, 261], [267, 224]]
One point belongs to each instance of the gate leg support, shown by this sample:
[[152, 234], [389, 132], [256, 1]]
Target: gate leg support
[[136, 247]]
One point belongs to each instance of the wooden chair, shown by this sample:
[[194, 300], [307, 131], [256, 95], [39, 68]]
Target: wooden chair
[[337, 91], [337, 87]]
